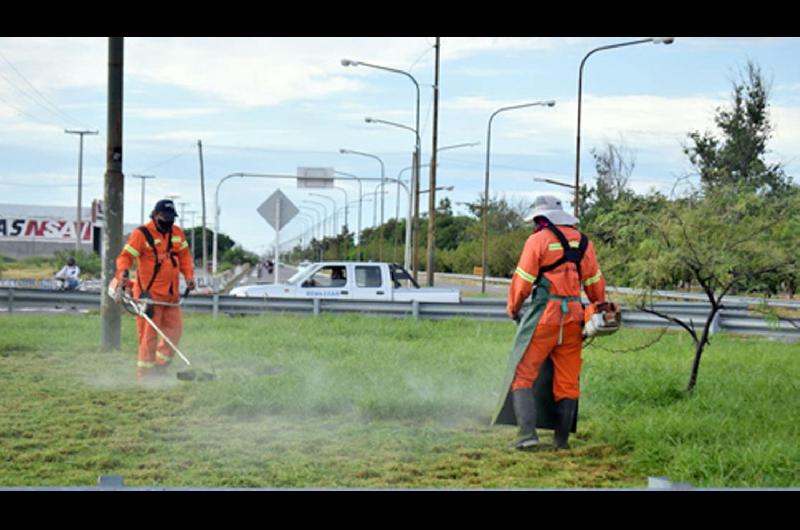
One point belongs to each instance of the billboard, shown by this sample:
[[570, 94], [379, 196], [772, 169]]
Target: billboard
[[43, 228]]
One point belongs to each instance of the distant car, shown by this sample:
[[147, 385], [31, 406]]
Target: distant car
[[303, 264], [351, 280]]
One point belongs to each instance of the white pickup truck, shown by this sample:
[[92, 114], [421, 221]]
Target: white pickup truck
[[351, 280]]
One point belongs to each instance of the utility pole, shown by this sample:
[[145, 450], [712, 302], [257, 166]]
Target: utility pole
[[191, 244], [429, 266], [79, 225], [183, 210], [203, 200], [113, 196], [143, 177]]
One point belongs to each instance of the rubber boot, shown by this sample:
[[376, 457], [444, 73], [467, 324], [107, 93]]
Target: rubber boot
[[565, 416], [525, 410]]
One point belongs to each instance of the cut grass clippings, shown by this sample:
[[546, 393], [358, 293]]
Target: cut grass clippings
[[357, 401]]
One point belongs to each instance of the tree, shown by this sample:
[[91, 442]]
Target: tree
[[223, 242], [614, 165], [739, 232], [724, 241], [502, 215], [738, 157]]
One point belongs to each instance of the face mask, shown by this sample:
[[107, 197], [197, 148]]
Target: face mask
[[164, 224]]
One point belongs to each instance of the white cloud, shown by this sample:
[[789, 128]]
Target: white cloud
[[459, 47], [261, 71], [160, 113]]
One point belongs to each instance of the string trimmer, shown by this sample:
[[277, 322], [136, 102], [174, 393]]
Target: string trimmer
[[139, 308]]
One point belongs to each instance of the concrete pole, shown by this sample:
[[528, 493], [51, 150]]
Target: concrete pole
[[429, 266], [203, 201], [113, 196]]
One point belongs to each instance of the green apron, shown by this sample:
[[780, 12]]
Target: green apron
[[543, 387]]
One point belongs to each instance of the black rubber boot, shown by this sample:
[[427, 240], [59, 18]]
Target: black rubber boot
[[525, 410], [565, 416]]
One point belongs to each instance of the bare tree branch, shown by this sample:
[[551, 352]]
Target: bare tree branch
[[669, 318]]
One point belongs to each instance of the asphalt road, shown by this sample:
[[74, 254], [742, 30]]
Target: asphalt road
[[467, 287], [286, 272]]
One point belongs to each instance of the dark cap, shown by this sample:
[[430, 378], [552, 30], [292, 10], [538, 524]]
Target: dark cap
[[165, 206]]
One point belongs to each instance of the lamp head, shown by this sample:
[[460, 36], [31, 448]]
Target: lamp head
[[368, 120], [550, 103], [663, 40], [348, 62]]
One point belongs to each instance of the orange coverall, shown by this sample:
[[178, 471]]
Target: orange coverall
[[558, 334], [166, 288]]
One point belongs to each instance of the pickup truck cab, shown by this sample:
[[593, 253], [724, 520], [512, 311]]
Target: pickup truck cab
[[351, 280]]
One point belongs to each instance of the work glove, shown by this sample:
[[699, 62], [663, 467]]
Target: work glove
[[116, 287], [191, 285], [115, 290]]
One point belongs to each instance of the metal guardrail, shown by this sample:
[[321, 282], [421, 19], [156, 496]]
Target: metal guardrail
[[700, 297], [735, 318]]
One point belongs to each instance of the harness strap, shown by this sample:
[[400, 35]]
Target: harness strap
[[150, 241], [564, 310]]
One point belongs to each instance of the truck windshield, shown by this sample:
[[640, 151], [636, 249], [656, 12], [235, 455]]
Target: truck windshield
[[297, 275]]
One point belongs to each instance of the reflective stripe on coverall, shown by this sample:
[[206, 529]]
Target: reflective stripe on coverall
[[165, 288], [552, 326]]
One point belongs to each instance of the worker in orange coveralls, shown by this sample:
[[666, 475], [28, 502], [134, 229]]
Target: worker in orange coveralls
[[556, 262], [161, 251]]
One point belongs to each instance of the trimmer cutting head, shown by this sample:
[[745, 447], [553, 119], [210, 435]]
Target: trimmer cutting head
[[194, 375]]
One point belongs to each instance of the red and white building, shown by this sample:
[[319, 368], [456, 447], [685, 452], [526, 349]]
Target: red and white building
[[35, 230]]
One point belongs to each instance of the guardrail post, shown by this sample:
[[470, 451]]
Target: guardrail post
[[317, 307], [11, 300], [716, 323], [215, 306], [415, 309]]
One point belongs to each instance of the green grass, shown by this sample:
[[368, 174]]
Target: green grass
[[372, 402]]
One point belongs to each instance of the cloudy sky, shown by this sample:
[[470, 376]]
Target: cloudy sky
[[271, 105]]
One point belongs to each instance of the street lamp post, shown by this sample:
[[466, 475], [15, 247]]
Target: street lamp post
[[333, 215], [417, 152], [311, 223], [439, 188], [217, 207], [324, 213], [413, 204], [78, 227], [320, 223], [143, 177], [484, 213], [346, 223], [555, 182], [654, 40], [383, 177], [358, 230]]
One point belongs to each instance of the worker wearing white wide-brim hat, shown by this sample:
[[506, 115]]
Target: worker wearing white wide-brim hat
[[556, 263]]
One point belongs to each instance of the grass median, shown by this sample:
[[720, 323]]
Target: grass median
[[355, 401]]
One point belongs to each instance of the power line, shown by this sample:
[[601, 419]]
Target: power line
[[168, 160], [54, 108], [31, 116], [269, 150], [19, 184]]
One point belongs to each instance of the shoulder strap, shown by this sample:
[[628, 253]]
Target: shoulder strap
[[150, 241], [570, 255]]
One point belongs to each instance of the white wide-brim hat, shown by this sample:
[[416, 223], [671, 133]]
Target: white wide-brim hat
[[550, 207]]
